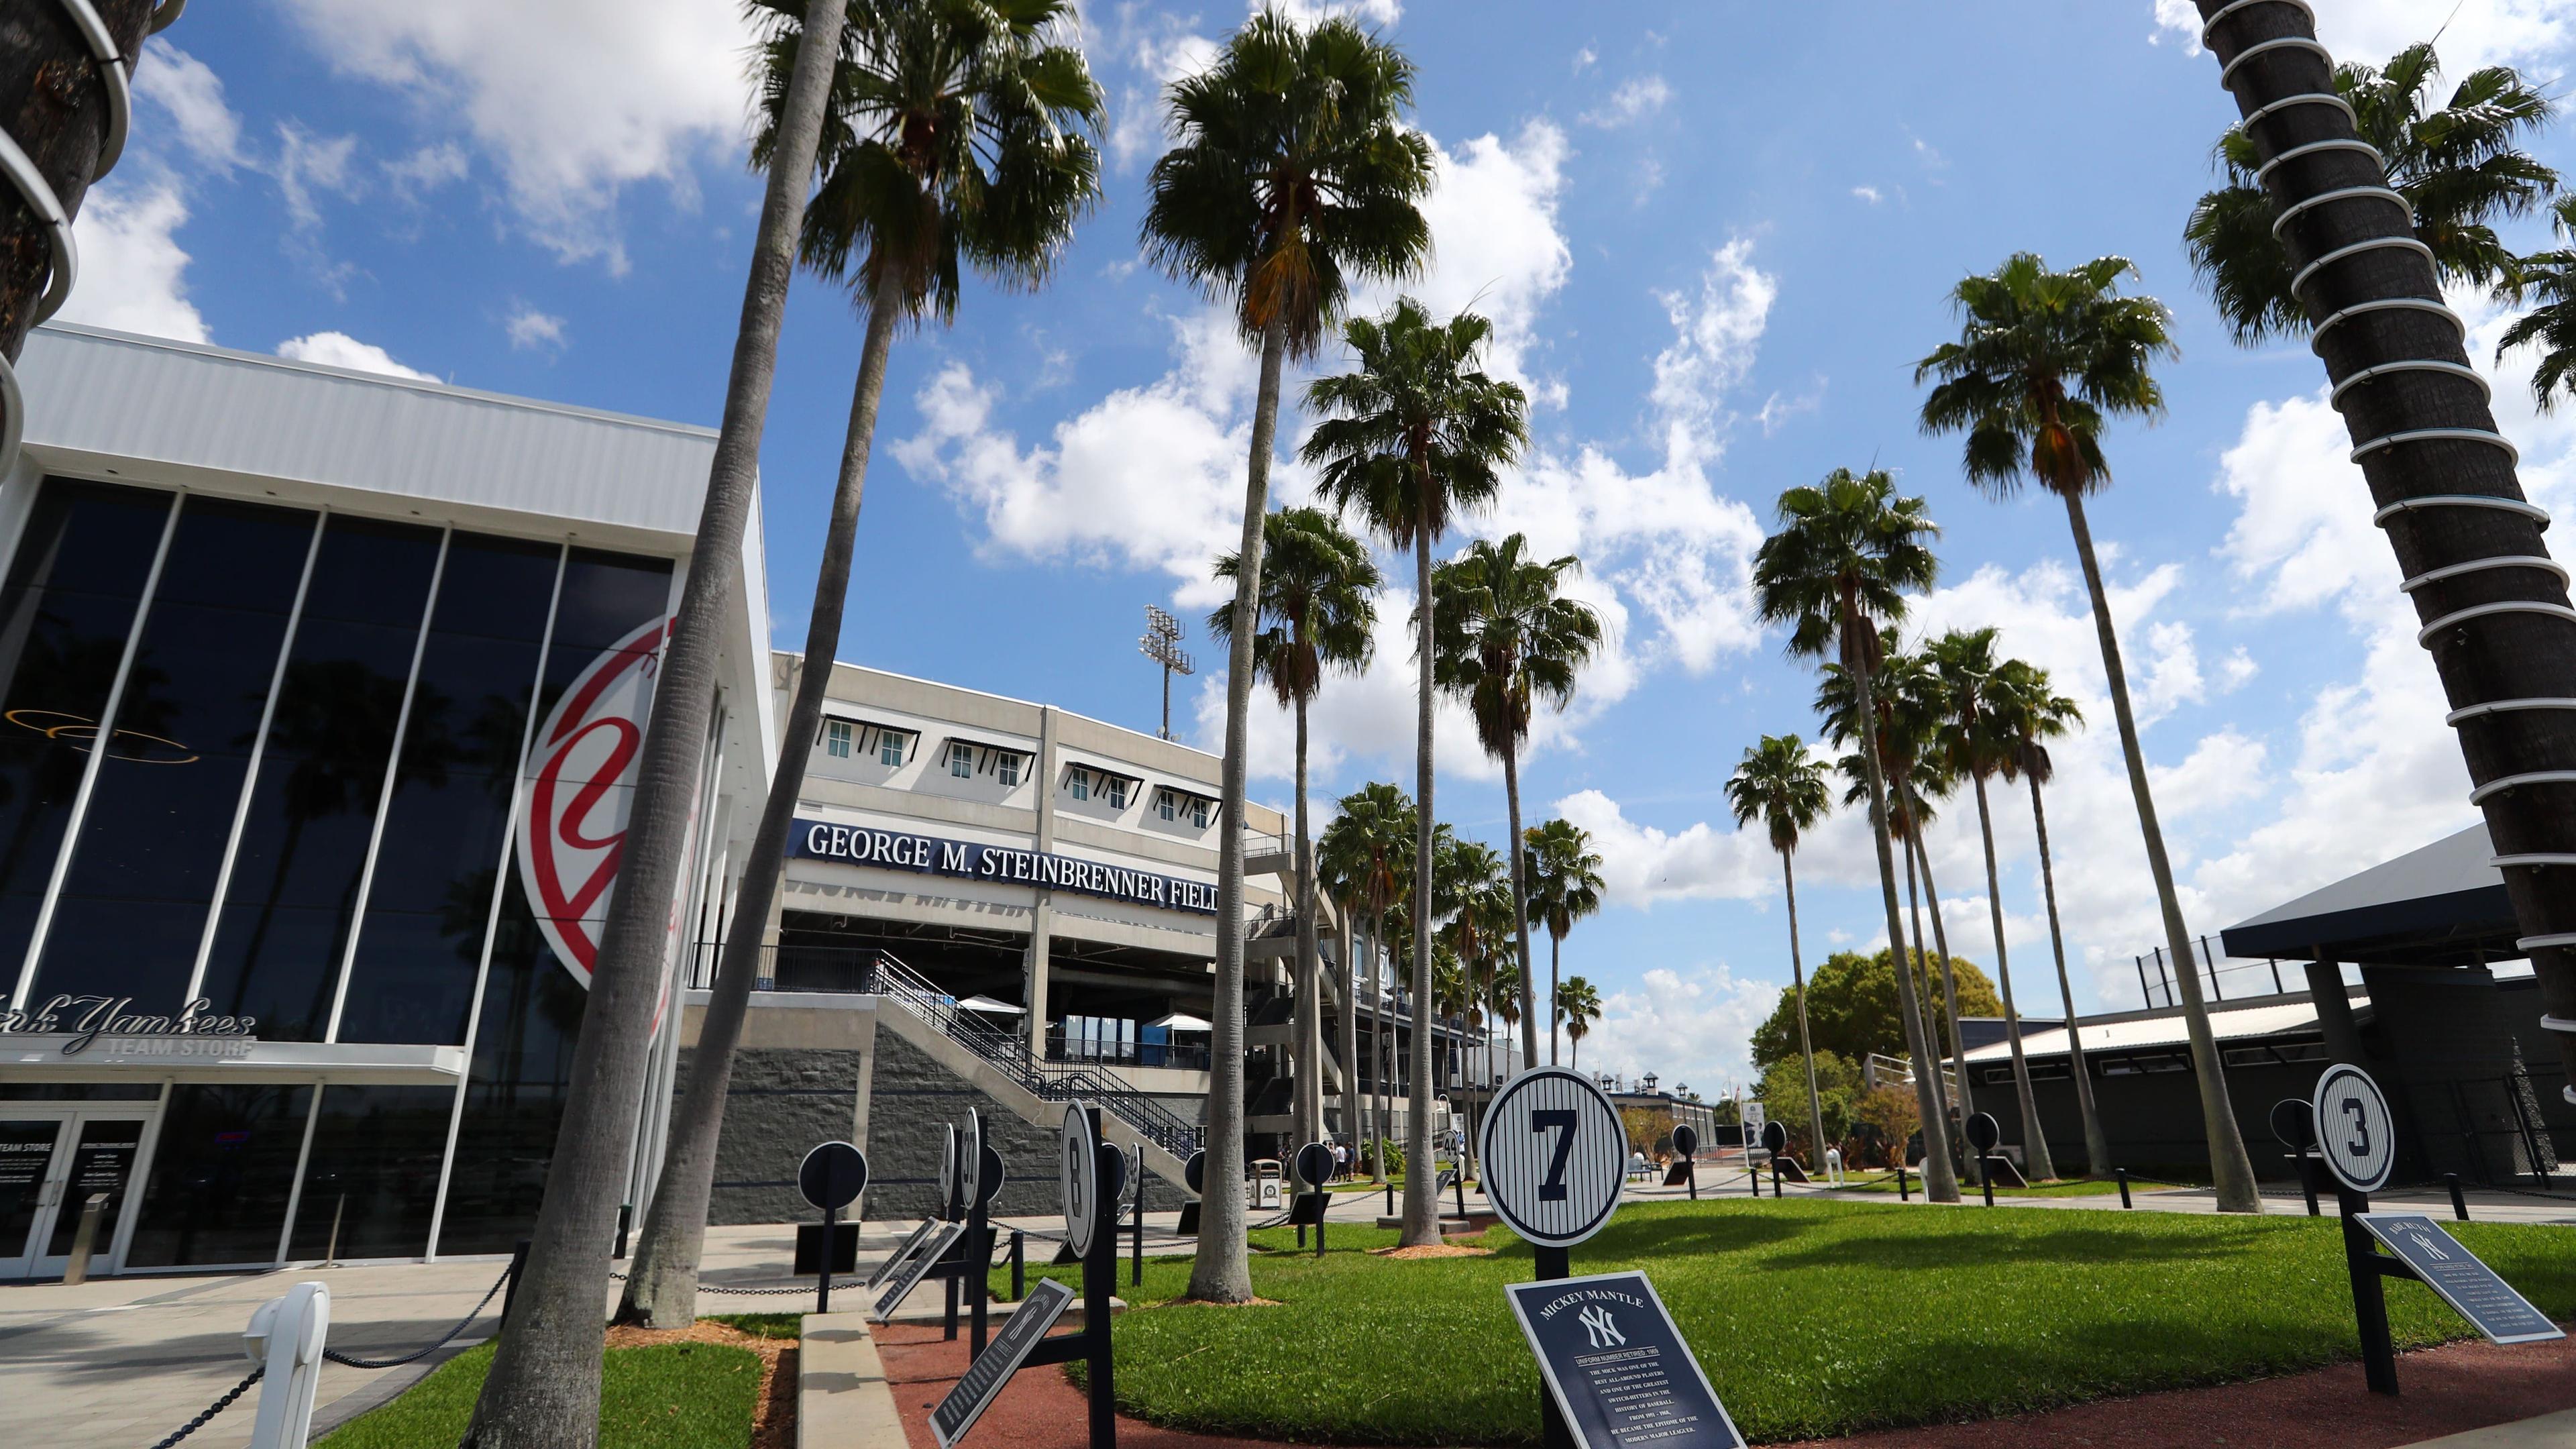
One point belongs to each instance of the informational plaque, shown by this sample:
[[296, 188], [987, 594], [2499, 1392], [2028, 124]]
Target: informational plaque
[[902, 1253], [907, 1274], [1617, 1366], [983, 1380], [2485, 1300]]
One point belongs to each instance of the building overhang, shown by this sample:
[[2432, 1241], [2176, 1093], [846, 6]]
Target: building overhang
[[55, 1057]]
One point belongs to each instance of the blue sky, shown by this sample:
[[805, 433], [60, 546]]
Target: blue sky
[[1714, 238]]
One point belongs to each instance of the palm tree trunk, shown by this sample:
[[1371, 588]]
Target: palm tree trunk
[[1349, 1053], [1310, 968], [1918, 970], [2231, 1171], [58, 113], [662, 1286], [1381, 1049], [1421, 1205], [1939, 1183], [2097, 1146], [543, 1387], [1221, 1269], [1949, 978], [2034, 1141], [1798, 985], [1520, 904], [2509, 671], [1555, 984]]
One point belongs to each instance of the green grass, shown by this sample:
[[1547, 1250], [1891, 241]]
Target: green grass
[[2072, 1187], [667, 1396], [789, 1326], [1811, 1318]]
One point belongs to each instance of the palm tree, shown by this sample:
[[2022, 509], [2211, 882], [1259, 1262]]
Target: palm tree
[[1780, 784], [1294, 173], [1980, 744], [1418, 433], [1377, 822], [2027, 712], [1315, 612], [543, 1385], [2044, 360], [2551, 275], [1341, 875], [1846, 552], [952, 140], [1580, 1005], [2458, 167], [2442, 480], [1504, 638], [1565, 886]]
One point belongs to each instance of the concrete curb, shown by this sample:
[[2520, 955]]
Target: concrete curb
[[2549, 1431], [842, 1398]]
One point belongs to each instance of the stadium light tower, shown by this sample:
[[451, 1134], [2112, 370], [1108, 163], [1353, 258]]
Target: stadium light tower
[[1162, 644]]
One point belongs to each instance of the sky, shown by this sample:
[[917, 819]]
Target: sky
[[1713, 238]]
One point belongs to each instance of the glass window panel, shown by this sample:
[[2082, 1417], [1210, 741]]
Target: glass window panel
[[1007, 769], [102, 1161], [373, 1175], [133, 905], [421, 936], [836, 738], [26, 1151], [532, 1003], [294, 886], [64, 615], [889, 748], [221, 1173]]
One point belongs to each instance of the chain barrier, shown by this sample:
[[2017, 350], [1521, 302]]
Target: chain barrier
[[353, 1361], [705, 1287], [217, 1407]]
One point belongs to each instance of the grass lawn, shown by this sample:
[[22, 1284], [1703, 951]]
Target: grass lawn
[[1811, 1318], [1970, 1192], [668, 1396]]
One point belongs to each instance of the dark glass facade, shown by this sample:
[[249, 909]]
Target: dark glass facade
[[305, 816]]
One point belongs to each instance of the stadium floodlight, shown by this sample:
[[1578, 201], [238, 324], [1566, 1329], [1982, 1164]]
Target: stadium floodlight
[[1162, 644]]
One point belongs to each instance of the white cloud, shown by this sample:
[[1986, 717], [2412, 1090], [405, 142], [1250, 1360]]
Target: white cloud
[[1713, 348], [132, 270], [529, 328], [1642, 865], [1632, 102], [574, 99], [1585, 58], [428, 168], [339, 349], [1870, 194], [189, 91], [307, 163], [2473, 33], [1689, 1026]]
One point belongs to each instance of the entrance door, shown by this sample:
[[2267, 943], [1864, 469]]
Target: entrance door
[[66, 1156]]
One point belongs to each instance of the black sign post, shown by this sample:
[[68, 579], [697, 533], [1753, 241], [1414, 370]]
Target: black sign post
[[1555, 1162], [2294, 1125], [2356, 1139], [1686, 1142], [1314, 1165], [1193, 1176], [831, 1177], [1983, 1133], [1775, 1140]]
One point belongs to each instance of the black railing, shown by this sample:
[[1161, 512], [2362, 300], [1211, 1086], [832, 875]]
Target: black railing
[[1179, 1055]]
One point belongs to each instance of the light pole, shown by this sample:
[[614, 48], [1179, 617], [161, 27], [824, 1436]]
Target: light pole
[[1162, 644]]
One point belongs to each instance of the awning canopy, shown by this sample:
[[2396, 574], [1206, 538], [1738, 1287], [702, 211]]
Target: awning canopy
[[2443, 905], [2163, 1028], [1179, 1021], [986, 1003]]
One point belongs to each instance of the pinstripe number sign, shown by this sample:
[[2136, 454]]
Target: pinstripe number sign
[[1555, 1155]]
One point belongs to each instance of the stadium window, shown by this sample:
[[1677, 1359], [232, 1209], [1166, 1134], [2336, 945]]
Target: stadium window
[[961, 759], [1079, 783], [1167, 805], [889, 748], [1199, 814], [1117, 792], [836, 738], [1006, 768]]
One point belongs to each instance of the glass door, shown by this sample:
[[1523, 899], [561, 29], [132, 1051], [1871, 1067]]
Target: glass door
[[28, 1146]]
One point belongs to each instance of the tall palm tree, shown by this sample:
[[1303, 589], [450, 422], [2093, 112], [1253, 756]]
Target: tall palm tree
[[2029, 712], [2459, 166], [1416, 435], [1341, 876], [2044, 360], [1470, 891], [1580, 1004], [2549, 276], [2442, 481], [543, 1385], [1294, 173], [1316, 611], [1377, 821], [1979, 744], [1783, 786], [953, 139], [1565, 885], [1503, 638], [1847, 551]]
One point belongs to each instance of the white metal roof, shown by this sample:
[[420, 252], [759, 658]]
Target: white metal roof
[[2163, 1029]]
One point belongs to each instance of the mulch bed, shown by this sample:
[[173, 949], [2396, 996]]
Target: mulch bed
[[773, 1425], [2447, 1390]]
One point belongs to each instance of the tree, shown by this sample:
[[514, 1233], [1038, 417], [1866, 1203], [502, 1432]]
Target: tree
[[953, 138], [1375, 827], [1855, 1008], [2029, 712], [1846, 552], [1580, 1004], [1783, 786], [1565, 886], [1503, 638], [2043, 361], [1416, 435], [2551, 276], [1911, 719], [1315, 612], [1294, 173], [2459, 168], [1470, 895], [2442, 481], [1978, 746], [1830, 1079], [543, 1386]]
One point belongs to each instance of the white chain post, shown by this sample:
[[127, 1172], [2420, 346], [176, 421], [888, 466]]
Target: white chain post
[[286, 1334]]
